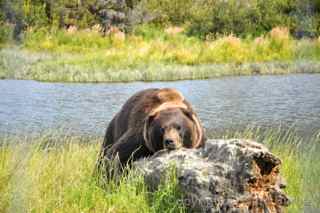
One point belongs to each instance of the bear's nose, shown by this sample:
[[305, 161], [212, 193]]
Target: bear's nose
[[169, 142]]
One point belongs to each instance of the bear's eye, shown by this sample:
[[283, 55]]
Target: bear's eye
[[161, 130], [178, 127]]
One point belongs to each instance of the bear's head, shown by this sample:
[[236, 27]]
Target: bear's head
[[172, 128]]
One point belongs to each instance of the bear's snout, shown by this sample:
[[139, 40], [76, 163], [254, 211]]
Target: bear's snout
[[172, 139], [169, 143]]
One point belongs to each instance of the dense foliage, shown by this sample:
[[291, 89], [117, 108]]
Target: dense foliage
[[201, 17], [240, 17]]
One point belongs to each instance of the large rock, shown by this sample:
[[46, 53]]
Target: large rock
[[224, 176]]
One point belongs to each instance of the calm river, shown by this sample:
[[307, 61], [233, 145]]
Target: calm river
[[28, 107]]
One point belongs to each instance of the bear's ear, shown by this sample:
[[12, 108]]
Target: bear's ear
[[188, 113], [150, 118], [169, 95]]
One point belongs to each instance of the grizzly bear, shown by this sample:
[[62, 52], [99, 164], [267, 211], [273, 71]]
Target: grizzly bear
[[151, 120]]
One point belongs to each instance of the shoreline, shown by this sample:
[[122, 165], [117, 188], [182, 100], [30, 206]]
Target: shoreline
[[21, 64]]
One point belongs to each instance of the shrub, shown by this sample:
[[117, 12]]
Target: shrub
[[241, 18], [5, 33]]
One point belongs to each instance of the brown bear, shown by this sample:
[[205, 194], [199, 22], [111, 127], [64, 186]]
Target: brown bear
[[151, 120]]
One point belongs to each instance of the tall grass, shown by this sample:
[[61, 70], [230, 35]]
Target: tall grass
[[151, 53], [151, 44], [54, 174]]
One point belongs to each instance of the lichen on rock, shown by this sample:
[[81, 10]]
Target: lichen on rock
[[224, 176]]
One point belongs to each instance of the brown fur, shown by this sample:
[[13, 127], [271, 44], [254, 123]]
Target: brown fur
[[134, 132]]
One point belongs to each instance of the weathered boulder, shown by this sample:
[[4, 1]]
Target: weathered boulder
[[224, 176]]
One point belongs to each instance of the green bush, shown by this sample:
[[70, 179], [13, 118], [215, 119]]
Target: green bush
[[150, 31], [171, 12], [34, 13], [5, 33], [253, 17]]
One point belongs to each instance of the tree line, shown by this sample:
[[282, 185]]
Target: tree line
[[199, 17]]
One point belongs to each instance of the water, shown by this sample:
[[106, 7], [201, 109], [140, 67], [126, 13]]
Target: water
[[29, 107]]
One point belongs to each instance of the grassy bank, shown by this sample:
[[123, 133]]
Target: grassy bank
[[151, 54], [54, 174]]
